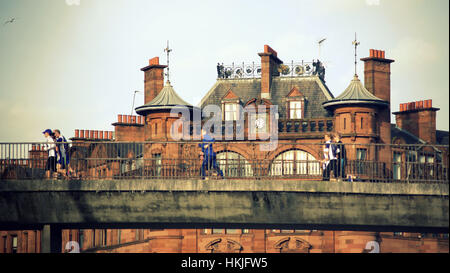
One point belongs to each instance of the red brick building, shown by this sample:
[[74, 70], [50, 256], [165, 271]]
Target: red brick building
[[306, 111]]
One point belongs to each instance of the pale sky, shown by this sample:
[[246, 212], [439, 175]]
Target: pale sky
[[70, 66]]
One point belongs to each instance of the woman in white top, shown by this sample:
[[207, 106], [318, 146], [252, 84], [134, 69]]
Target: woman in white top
[[50, 147]]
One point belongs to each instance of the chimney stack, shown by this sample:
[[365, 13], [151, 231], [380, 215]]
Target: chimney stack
[[377, 79], [269, 68], [153, 79], [418, 118]]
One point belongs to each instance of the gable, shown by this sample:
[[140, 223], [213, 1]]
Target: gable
[[295, 93], [230, 95]]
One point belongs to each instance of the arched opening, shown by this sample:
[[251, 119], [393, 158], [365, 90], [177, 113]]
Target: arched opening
[[233, 164], [295, 162]]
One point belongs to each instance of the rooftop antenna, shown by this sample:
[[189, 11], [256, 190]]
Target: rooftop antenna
[[320, 44], [168, 50], [134, 97], [356, 44]]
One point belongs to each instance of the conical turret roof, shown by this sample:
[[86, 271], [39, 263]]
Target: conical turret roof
[[166, 99], [356, 93]]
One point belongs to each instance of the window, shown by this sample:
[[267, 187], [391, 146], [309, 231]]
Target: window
[[81, 238], [362, 120], [361, 156], [218, 231], [119, 235], [397, 165], [295, 162], [230, 111], [93, 238], [345, 122], [232, 231], [139, 234], [157, 161], [245, 231], [14, 244], [295, 109], [234, 165], [104, 237], [25, 240], [5, 244]]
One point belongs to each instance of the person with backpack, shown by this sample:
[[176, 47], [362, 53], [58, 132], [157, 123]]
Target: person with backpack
[[208, 155], [62, 151]]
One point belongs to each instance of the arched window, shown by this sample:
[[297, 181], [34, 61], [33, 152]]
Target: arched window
[[233, 164], [295, 162]]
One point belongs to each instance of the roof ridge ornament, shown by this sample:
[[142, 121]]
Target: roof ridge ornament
[[356, 44]]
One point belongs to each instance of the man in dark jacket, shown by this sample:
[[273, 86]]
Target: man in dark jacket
[[209, 156], [341, 156]]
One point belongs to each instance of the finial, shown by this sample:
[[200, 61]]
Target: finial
[[356, 44], [168, 50]]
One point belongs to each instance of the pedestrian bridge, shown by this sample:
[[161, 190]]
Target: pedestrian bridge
[[297, 204]]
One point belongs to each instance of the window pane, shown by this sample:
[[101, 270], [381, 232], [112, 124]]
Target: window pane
[[217, 231]]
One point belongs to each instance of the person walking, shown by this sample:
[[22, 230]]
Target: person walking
[[49, 146], [63, 153], [341, 156], [329, 162], [209, 160]]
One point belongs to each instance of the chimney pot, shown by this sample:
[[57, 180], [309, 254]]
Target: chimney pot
[[154, 61], [129, 119], [100, 134], [133, 119], [139, 119], [416, 105], [401, 107], [77, 133], [382, 54], [110, 135], [119, 118], [421, 104], [430, 103], [91, 134]]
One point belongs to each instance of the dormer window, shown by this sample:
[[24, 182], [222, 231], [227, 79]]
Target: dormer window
[[230, 106], [295, 103], [230, 110], [295, 109]]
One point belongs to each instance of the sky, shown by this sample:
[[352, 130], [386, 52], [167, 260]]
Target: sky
[[75, 64]]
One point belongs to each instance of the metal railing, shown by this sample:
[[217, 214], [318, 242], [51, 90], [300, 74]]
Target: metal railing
[[231, 160], [253, 70]]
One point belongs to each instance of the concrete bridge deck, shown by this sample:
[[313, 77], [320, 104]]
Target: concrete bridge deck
[[226, 203]]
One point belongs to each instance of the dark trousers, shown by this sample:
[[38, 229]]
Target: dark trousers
[[208, 163], [340, 167], [331, 166]]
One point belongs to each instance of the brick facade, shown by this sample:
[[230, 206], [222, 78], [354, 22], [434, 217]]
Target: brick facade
[[360, 124]]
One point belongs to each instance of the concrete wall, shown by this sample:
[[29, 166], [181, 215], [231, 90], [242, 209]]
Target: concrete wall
[[255, 203]]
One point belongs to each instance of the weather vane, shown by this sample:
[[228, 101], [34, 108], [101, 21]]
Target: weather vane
[[356, 44], [168, 50]]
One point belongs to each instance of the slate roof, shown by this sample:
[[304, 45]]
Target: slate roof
[[356, 93], [442, 137], [409, 138], [314, 90], [166, 99]]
